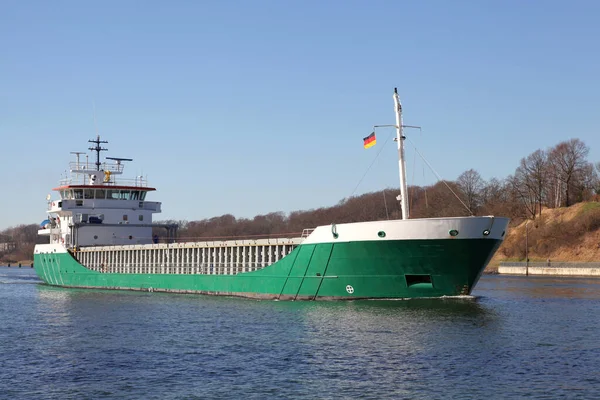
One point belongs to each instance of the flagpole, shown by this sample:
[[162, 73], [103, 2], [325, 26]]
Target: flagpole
[[401, 162]]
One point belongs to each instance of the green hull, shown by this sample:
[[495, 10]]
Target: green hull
[[352, 270]]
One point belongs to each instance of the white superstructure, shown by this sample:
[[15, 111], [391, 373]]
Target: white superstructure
[[95, 208]]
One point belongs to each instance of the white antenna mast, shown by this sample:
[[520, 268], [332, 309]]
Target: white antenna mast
[[95, 123], [401, 162], [403, 198]]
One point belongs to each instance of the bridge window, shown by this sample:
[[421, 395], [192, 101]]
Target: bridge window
[[120, 194], [78, 193], [88, 193]]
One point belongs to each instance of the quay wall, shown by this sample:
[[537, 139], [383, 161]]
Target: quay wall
[[550, 268]]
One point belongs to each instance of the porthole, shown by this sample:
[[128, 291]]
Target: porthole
[[96, 237], [453, 232], [486, 232], [381, 234]]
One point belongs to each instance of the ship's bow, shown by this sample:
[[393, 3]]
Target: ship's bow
[[404, 258]]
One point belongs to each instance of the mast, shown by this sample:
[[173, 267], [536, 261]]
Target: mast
[[97, 149], [401, 162]]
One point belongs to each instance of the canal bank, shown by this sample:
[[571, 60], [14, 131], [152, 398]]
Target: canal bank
[[550, 268]]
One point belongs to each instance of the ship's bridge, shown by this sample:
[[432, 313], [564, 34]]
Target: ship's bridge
[[98, 207], [103, 214], [103, 197]]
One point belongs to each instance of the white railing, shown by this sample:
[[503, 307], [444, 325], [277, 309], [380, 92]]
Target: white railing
[[84, 167], [106, 176], [135, 182], [306, 232]]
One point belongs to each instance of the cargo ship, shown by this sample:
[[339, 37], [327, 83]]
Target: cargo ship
[[100, 236]]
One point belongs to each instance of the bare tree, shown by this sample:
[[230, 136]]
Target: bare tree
[[497, 198], [524, 196], [471, 184], [567, 160], [439, 201], [531, 180], [585, 183], [491, 193], [596, 184]]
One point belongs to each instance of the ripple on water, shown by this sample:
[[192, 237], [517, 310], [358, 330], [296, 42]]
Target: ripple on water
[[515, 338]]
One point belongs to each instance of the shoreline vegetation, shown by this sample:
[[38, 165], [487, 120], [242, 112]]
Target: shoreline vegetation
[[564, 234], [567, 234], [552, 200]]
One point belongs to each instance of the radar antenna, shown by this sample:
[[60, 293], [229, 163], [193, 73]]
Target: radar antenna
[[118, 159], [97, 149]]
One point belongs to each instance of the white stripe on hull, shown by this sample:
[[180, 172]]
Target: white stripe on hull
[[411, 229]]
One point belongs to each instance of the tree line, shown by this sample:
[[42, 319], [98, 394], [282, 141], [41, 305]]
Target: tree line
[[555, 177], [17, 243], [558, 176]]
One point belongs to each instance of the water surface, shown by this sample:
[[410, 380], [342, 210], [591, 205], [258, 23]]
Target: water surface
[[517, 337]]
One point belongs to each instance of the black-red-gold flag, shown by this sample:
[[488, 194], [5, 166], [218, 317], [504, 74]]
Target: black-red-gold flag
[[369, 141]]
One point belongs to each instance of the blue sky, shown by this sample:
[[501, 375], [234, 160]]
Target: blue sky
[[248, 107]]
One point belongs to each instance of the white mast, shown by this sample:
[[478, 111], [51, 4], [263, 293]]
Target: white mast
[[401, 162]]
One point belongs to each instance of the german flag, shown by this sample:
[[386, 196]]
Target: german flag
[[369, 141]]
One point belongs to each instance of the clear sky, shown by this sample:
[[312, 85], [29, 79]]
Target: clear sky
[[248, 107]]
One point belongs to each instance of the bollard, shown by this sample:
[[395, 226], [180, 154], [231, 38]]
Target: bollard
[[31, 265], [8, 265], [19, 265]]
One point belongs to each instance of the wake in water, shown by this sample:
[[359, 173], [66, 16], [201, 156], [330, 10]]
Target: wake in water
[[19, 278], [467, 297]]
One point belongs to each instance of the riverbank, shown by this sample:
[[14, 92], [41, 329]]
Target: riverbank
[[562, 235], [549, 268], [22, 264]]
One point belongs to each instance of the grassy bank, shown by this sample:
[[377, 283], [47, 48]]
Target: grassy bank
[[570, 234]]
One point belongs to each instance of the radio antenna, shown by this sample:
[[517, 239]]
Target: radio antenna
[[95, 123], [97, 149]]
